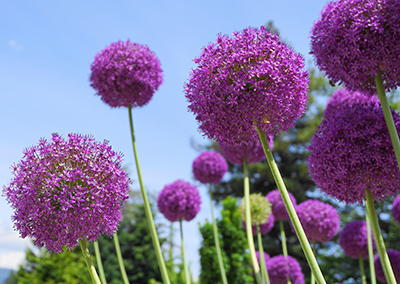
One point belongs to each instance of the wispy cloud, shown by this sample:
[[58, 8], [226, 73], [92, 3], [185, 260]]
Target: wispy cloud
[[12, 260], [15, 45]]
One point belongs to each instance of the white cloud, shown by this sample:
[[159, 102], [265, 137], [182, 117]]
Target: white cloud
[[14, 45], [12, 259]]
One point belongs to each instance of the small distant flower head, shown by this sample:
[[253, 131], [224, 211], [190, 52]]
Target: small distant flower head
[[281, 267], [394, 258], [252, 150], [320, 220], [353, 40], [249, 79], [209, 167], [126, 74], [396, 209], [260, 209], [278, 207], [67, 190], [178, 200], [352, 151], [265, 228], [354, 239]]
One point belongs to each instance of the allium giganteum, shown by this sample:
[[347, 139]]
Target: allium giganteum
[[65, 190], [354, 239], [278, 207], [250, 78], [209, 167], [282, 267]]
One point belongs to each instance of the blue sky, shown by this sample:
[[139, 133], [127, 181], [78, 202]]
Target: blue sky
[[46, 48]]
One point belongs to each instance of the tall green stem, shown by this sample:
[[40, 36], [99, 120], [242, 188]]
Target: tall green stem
[[120, 259], [185, 266], [394, 136], [249, 231], [363, 277], [99, 263], [312, 262], [89, 263], [216, 240], [380, 244], [171, 241], [283, 238], [370, 249], [315, 253], [264, 271], [149, 215]]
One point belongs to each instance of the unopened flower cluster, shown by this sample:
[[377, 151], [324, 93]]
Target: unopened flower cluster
[[354, 239], [66, 190], [260, 209], [209, 167], [278, 207], [281, 267]]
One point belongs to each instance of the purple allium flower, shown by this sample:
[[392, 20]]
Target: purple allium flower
[[66, 190], [209, 167], [264, 228], [353, 40], [352, 151], [251, 78], [320, 220], [394, 258], [179, 199], [252, 150], [281, 267], [278, 207], [266, 257], [354, 239], [126, 74], [396, 209]]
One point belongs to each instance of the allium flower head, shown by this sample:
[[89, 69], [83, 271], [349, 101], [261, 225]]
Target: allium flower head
[[251, 78], [126, 74], [260, 209], [396, 208], [278, 207], [352, 152], [354, 239], [281, 267], [178, 200], [209, 167], [320, 220], [353, 40], [394, 258], [252, 150], [266, 257], [265, 228], [66, 190]]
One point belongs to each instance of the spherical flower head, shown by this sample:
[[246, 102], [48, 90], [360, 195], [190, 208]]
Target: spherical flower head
[[345, 97], [354, 239], [396, 208], [278, 207], [266, 257], [126, 74], [249, 79], [63, 191], [281, 267], [320, 221], [353, 40], [209, 167], [253, 151], [394, 258], [179, 200], [265, 228], [260, 209], [352, 151]]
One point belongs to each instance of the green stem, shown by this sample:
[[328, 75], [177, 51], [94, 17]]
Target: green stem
[[363, 277], [149, 215], [170, 251], [380, 244], [89, 263], [370, 249], [99, 263], [394, 136], [185, 266], [120, 259], [216, 240], [312, 262], [283, 238], [315, 253], [264, 271], [249, 231]]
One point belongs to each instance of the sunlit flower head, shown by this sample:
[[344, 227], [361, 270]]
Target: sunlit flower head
[[209, 167], [260, 209]]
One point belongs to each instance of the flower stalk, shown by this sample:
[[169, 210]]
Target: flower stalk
[[370, 249], [120, 259], [185, 266], [264, 270], [99, 262], [89, 263]]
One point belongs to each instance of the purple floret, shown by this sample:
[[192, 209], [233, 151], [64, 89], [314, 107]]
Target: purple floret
[[264, 228], [281, 267], [266, 257], [67, 190], [396, 209], [278, 207], [354, 239], [352, 151], [394, 258], [178, 200], [251, 78], [253, 151], [126, 74], [353, 40], [320, 220], [209, 167]]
